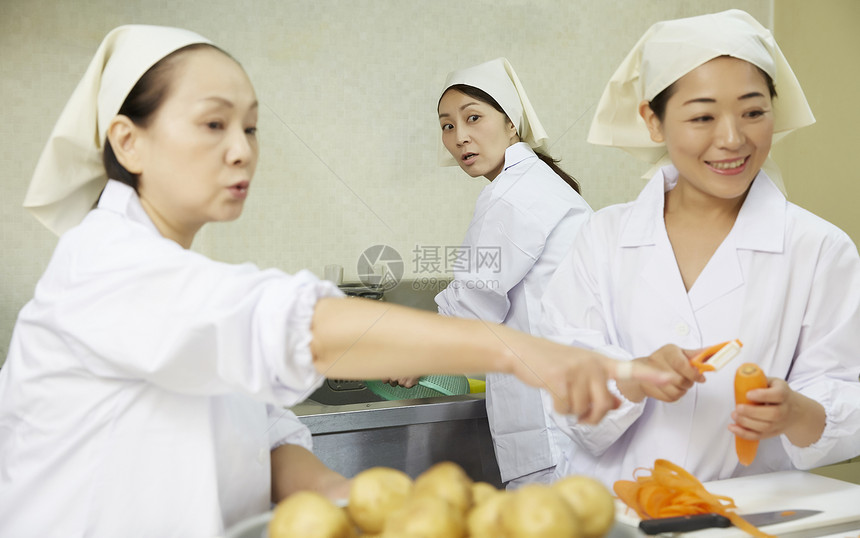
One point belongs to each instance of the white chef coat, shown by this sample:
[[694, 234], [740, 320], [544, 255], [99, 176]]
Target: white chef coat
[[785, 282], [528, 216], [132, 398]]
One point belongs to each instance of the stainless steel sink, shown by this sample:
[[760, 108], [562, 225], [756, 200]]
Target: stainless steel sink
[[410, 435], [354, 429]]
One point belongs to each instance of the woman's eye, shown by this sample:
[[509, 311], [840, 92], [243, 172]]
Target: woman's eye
[[215, 125], [251, 131], [474, 117], [702, 119], [447, 127], [755, 113]]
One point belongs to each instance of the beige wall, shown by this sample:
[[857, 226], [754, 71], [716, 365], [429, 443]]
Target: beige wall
[[347, 130], [822, 43]]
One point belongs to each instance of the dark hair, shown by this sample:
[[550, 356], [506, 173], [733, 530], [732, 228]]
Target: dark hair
[[481, 95], [141, 104], [658, 104]]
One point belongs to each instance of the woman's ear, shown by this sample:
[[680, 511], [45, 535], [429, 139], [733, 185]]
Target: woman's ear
[[512, 131], [655, 126], [123, 136]]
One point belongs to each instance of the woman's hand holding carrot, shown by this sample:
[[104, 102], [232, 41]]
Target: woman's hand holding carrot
[[778, 410], [672, 360]]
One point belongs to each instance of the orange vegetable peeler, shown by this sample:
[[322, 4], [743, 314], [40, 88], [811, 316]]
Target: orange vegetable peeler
[[716, 356]]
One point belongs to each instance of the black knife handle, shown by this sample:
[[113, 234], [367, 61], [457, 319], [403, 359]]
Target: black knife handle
[[683, 523]]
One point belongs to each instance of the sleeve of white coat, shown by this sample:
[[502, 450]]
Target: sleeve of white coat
[[576, 311], [285, 428], [827, 362], [481, 292], [144, 308]]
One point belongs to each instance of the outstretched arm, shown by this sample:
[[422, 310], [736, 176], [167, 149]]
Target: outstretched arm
[[362, 339]]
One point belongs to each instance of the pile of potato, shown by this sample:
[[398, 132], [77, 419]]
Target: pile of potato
[[443, 502]]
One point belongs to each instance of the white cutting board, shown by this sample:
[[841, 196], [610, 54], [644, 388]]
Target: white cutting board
[[838, 501]]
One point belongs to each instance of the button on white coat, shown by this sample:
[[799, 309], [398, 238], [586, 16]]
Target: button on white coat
[[682, 329]]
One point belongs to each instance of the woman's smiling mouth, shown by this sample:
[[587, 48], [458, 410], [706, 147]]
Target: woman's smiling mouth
[[734, 166]]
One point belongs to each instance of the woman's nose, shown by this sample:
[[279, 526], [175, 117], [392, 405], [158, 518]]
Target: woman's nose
[[461, 134], [242, 147], [729, 134]]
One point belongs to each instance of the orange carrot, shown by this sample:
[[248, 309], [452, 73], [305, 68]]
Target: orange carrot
[[748, 377], [670, 491]]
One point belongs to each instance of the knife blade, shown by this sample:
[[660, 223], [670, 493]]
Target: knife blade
[[707, 521]]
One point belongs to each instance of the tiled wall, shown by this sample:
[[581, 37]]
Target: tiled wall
[[348, 131]]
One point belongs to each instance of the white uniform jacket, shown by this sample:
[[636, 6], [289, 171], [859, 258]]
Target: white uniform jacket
[[524, 223], [785, 282], [132, 398]]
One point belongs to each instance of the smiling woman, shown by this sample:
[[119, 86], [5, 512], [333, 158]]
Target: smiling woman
[[717, 126], [711, 251], [720, 119]]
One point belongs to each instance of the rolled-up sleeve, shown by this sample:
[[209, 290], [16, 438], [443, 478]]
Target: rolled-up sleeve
[[152, 311]]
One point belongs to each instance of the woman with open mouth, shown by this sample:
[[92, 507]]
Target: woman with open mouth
[[524, 223], [145, 389]]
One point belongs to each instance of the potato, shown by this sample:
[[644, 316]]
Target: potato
[[485, 518], [447, 481], [374, 494], [424, 516], [311, 515], [535, 511], [482, 491], [591, 501]]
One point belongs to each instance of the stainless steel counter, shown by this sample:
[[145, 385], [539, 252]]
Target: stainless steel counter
[[409, 435]]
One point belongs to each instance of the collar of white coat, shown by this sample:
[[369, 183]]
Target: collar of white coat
[[121, 198], [517, 153], [760, 224]]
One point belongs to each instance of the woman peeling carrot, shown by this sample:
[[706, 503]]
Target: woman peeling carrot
[[711, 251]]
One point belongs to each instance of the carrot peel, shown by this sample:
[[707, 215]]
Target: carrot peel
[[669, 491]]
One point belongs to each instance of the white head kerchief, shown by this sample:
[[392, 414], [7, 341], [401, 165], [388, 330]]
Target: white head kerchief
[[497, 78], [70, 175], [671, 49]]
